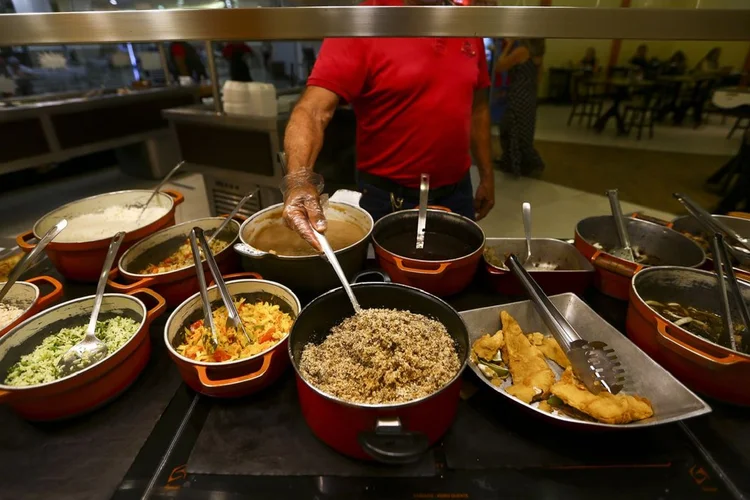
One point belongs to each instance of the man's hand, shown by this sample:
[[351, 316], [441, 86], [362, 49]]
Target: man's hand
[[302, 209], [484, 199]]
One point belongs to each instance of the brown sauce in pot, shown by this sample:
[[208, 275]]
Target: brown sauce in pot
[[277, 238]]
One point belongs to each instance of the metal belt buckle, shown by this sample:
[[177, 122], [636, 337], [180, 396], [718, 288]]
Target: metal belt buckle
[[396, 203]]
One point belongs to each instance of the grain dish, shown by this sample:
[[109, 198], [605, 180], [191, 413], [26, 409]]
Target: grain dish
[[8, 314], [265, 324], [106, 223], [524, 359], [7, 264], [40, 366], [382, 356], [183, 257]]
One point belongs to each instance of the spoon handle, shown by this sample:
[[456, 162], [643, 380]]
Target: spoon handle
[[108, 261], [231, 215], [526, 209], [331, 256], [21, 267], [622, 231], [163, 181], [424, 196], [208, 317]]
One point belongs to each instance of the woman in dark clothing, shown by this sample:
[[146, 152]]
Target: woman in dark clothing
[[521, 59], [185, 61], [234, 53], [676, 65]]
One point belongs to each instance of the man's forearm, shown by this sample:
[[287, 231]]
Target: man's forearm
[[303, 139], [481, 149]]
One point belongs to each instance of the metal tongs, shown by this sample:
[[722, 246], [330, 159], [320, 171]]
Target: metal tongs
[[594, 363], [738, 246], [198, 241], [424, 196], [725, 274]]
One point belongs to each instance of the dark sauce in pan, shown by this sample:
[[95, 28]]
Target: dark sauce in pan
[[437, 246]]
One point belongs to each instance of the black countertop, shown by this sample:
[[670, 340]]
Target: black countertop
[[160, 439]]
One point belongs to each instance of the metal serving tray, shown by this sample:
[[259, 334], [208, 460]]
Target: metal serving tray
[[574, 273], [671, 400]]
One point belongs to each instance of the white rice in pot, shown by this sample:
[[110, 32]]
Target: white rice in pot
[[108, 222], [8, 314]]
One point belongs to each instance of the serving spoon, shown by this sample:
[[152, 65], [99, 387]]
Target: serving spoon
[[330, 255], [158, 188], [91, 350], [526, 209], [29, 259], [424, 196], [231, 215], [624, 251]]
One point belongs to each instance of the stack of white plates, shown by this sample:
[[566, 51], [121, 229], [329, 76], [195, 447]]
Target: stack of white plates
[[250, 99]]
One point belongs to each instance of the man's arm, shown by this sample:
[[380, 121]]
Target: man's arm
[[482, 153], [305, 131], [302, 142]]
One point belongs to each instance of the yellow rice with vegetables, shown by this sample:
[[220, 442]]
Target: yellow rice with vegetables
[[183, 257], [265, 324]]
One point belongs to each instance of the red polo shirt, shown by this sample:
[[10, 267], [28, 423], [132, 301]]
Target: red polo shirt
[[412, 98]]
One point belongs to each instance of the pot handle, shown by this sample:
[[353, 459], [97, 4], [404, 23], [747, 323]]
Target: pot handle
[[687, 351], [361, 276], [125, 287], [150, 295], [210, 383], [176, 196], [424, 272], [22, 240], [238, 217], [391, 444], [608, 263], [238, 276], [648, 218], [51, 297], [436, 207]]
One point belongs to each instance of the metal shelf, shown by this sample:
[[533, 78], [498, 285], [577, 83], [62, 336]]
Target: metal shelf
[[310, 23]]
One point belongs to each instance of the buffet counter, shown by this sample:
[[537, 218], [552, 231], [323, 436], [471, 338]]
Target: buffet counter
[[53, 128], [161, 439]]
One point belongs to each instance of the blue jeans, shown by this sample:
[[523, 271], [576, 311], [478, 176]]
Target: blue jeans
[[377, 202]]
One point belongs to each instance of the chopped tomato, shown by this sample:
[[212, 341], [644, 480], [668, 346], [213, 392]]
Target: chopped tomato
[[196, 325], [221, 355], [268, 336]]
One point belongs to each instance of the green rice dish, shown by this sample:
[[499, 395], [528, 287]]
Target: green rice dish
[[40, 366]]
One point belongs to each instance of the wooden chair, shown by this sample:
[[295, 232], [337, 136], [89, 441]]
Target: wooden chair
[[587, 103], [644, 109]]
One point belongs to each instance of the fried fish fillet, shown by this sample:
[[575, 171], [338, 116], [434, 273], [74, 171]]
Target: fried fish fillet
[[532, 377], [487, 345], [604, 407], [550, 348]]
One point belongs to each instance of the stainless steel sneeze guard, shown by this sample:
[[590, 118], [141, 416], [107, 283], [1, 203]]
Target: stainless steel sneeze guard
[[309, 23]]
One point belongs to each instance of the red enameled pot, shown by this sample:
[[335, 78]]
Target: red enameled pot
[[391, 433]]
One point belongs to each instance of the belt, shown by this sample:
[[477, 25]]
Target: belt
[[406, 193]]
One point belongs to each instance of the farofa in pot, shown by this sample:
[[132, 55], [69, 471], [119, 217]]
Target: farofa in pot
[[382, 356], [265, 324]]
